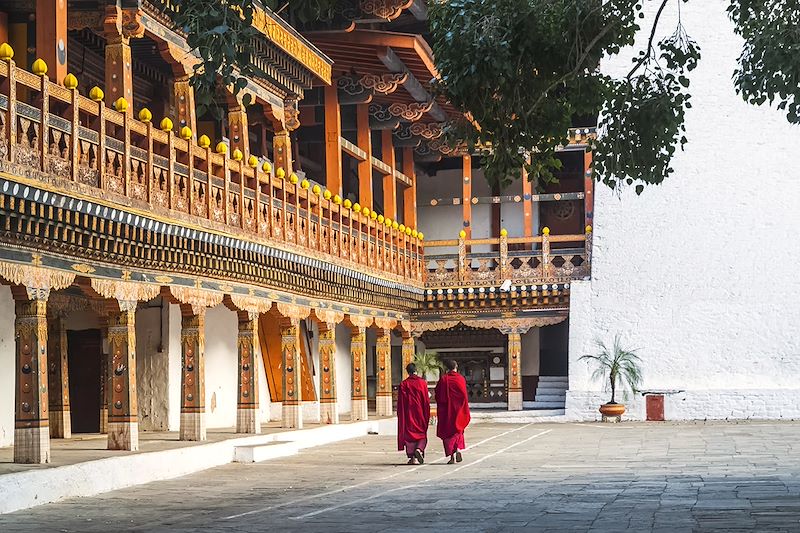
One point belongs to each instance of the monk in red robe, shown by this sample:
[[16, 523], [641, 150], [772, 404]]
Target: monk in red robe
[[413, 415], [452, 410]]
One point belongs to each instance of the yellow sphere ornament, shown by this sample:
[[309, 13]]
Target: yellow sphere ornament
[[96, 94], [421, 236], [395, 225], [166, 124], [373, 215], [266, 167], [588, 229], [204, 141], [545, 231], [327, 194], [6, 52], [280, 173], [121, 105], [145, 115], [70, 81], [357, 207], [305, 184], [414, 233], [221, 148], [380, 219], [366, 211], [337, 199], [186, 133], [402, 228], [237, 154], [388, 222], [462, 234], [39, 67], [408, 231], [504, 232], [252, 161], [293, 178], [348, 204], [316, 189]]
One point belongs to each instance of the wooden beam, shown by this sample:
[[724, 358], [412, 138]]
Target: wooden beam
[[333, 132], [527, 204], [467, 194], [588, 188], [389, 185], [392, 62], [419, 9], [364, 138], [380, 118], [352, 150], [51, 37], [410, 193]]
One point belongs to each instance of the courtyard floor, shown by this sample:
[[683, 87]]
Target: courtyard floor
[[534, 477]]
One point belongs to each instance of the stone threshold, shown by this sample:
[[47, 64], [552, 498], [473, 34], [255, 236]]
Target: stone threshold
[[102, 471]]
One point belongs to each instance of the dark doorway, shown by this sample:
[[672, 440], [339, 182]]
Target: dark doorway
[[554, 348], [84, 353]]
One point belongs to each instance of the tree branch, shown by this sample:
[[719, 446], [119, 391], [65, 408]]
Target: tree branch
[[644, 58]]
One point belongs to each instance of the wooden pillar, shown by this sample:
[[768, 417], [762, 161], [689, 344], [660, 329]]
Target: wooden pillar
[[193, 386], [383, 393], [364, 138], [588, 189], [282, 151], [119, 72], [184, 104], [389, 185], [237, 131], [466, 200], [31, 421], [58, 379], [333, 133], [527, 204], [51, 37], [247, 412], [410, 193], [514, 372], [408, 350], [358, 351], [123, 420], [328, 408], [292, 409]]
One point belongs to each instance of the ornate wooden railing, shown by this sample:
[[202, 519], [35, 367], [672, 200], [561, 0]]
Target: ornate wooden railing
[[50, 132], [536, 263]]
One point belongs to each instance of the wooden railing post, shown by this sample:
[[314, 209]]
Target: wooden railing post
[[462, 256], [101, 144], [504, 266], [126, 154], [44, 134], [547, 268], [11, 114], [149, 164]]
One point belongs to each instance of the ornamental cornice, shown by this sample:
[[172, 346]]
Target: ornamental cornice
[[293, 311], [126, 293], [37, 280], [505, 325], [198, 299]]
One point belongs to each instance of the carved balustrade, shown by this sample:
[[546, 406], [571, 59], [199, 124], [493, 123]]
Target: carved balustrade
[[49, 132], [537, 262]]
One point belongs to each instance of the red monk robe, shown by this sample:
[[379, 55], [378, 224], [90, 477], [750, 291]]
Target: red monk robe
[[452, 410], [413, 416]]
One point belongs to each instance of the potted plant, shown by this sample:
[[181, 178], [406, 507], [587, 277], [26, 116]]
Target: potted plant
[[429, 366], [618, 368]]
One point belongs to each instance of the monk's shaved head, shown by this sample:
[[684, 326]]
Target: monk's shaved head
[[411, 368], [451, 364]]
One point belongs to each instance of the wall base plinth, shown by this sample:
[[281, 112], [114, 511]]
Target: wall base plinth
[[383, 405], [248, 421], [360, 410], [193, 426], [123, 436], [60, 425], [32, 445], [291, 416], [515, 400], [329, 413], [104, 420]]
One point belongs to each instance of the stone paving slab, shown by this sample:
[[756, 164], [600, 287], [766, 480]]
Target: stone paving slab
[[533, 477]]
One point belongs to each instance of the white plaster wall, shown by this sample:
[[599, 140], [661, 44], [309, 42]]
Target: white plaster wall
[[152, 368], [697, 273], [7, 366], [173, 339], [222, 329], [344, 369]]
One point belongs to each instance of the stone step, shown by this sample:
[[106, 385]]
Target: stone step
[[543, 405], [255, 453], [553, 379], [550, 390], [551, 397]]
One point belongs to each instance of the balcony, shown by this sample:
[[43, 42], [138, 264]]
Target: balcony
[[50, 133]]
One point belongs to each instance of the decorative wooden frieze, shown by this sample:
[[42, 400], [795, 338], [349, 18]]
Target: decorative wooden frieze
[[380, 118], [198, 299], [409, 112], [383, 83], [38, 281], [430, 130], [384, 9]]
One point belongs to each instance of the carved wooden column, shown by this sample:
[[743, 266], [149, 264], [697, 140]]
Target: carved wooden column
[[358, 351], [193, 386], [328, 408], [514, 371], [237, 130], [333, 133], [383, 393], [364, 138], [184, 104], [466, 199], [31, 421], [118, 68], [410, 193], [123, 419], [58, 379], [292, 409], [408, 350], [247, 413], [51, 37], [389, 182]]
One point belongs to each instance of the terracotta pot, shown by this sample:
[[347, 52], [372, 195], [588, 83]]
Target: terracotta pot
[[612, 409]]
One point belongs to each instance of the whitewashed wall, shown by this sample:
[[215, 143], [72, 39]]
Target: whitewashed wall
[[699, 273], [173, 338], [222, 329], [344, 370], [153, 368], [7, 366]]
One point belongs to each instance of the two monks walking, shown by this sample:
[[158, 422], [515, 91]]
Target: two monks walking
[[414, 413]]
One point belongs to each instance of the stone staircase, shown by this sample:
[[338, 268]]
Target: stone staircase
[[551, 394]]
